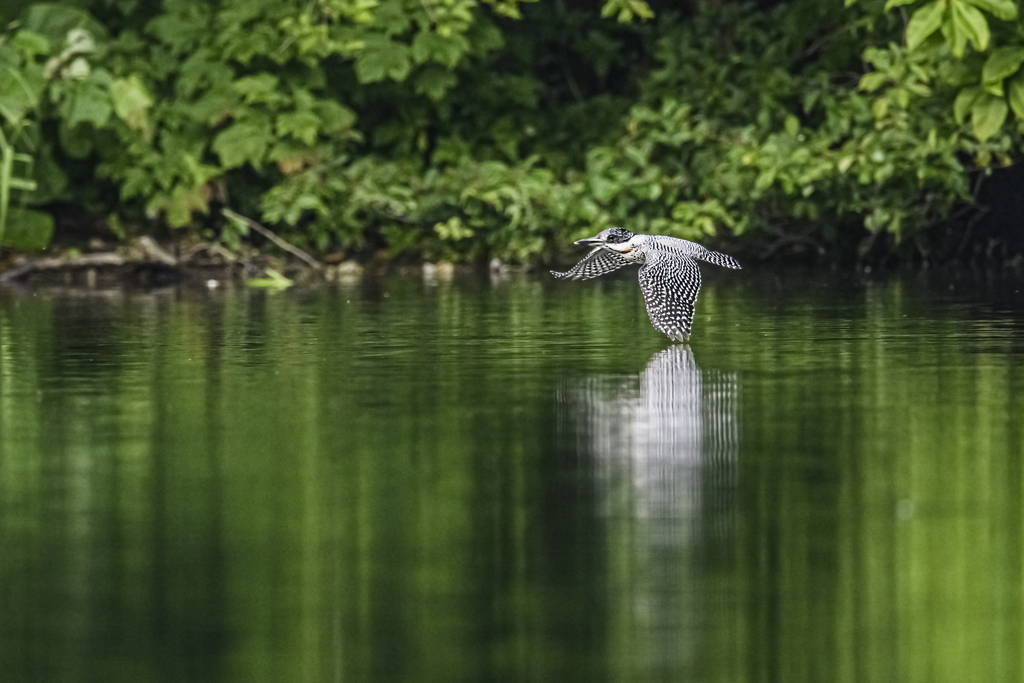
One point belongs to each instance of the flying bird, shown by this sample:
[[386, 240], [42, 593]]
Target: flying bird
[[669, 277]]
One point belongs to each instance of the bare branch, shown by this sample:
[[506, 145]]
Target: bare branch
[[272, 237]]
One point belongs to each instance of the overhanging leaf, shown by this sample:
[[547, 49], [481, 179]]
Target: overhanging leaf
[[872, 81], [972, 23], [987, 116], [20, 90], [1002, 63], [30, 43], [964, 101], [1015, 95], [995, 88], [955, 37], [924, 22], [1001, 9]]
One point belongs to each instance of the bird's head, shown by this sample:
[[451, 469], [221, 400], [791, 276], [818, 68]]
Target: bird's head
[[605, 237]]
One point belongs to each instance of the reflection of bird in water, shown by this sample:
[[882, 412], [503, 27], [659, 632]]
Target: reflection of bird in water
[[663, 448], [669, 277], [681, 421]]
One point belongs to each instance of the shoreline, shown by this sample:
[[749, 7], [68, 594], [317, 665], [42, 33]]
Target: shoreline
[[144, 263]]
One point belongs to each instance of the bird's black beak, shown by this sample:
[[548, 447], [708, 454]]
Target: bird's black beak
[[590, 242]]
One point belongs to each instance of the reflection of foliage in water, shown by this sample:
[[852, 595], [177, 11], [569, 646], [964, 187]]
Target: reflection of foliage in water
[[319, 484]]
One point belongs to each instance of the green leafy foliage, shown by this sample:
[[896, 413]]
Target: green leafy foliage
[[455, 130], [986, 79]]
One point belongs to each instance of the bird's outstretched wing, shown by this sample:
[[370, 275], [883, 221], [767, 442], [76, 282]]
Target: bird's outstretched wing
[[598, 262], [670, 288]]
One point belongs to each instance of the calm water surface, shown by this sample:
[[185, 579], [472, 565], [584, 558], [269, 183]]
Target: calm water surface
[[513, 481]]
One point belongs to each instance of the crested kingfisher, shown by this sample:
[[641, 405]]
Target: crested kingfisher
[[669, 277]]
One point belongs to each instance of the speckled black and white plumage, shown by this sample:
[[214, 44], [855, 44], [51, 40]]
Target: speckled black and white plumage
[[669, 276], [600, 260]]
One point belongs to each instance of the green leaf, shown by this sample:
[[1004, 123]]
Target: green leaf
[[955, 37], [872, 81], [391, 16], [335, 118], [957, 73], [435, 82], [87, 102], [131, 101], [128, 95], [882, 59], [243, 142], [381, 59], [792, 125], [625, 10], [28, 230], [30, 43], [994, 88], [77, 141], [55, 20], [301, 125], [964, 101], [1003, 62], [924, 22], [919, 89], [880, 107], [20, 91], [182, 201], [1001, 9], [445, 50], [987, 116], [273, 281], [896, 3], [258, 88], [215, 106], [183, 28], [1016, 95], [971, 23]]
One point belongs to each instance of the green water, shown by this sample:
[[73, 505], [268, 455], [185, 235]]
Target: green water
[[513, 481]]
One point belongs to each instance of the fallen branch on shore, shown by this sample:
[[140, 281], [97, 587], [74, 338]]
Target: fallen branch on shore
[[142, 253], [60, 263], [291, 249]]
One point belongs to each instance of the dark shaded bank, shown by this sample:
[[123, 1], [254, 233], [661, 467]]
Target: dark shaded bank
[[199, 266], [979, 239]]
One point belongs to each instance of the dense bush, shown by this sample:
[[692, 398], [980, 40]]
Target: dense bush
[[449, 129]]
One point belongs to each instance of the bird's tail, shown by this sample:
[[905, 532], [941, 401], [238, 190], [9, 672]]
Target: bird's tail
[[718, 259]]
